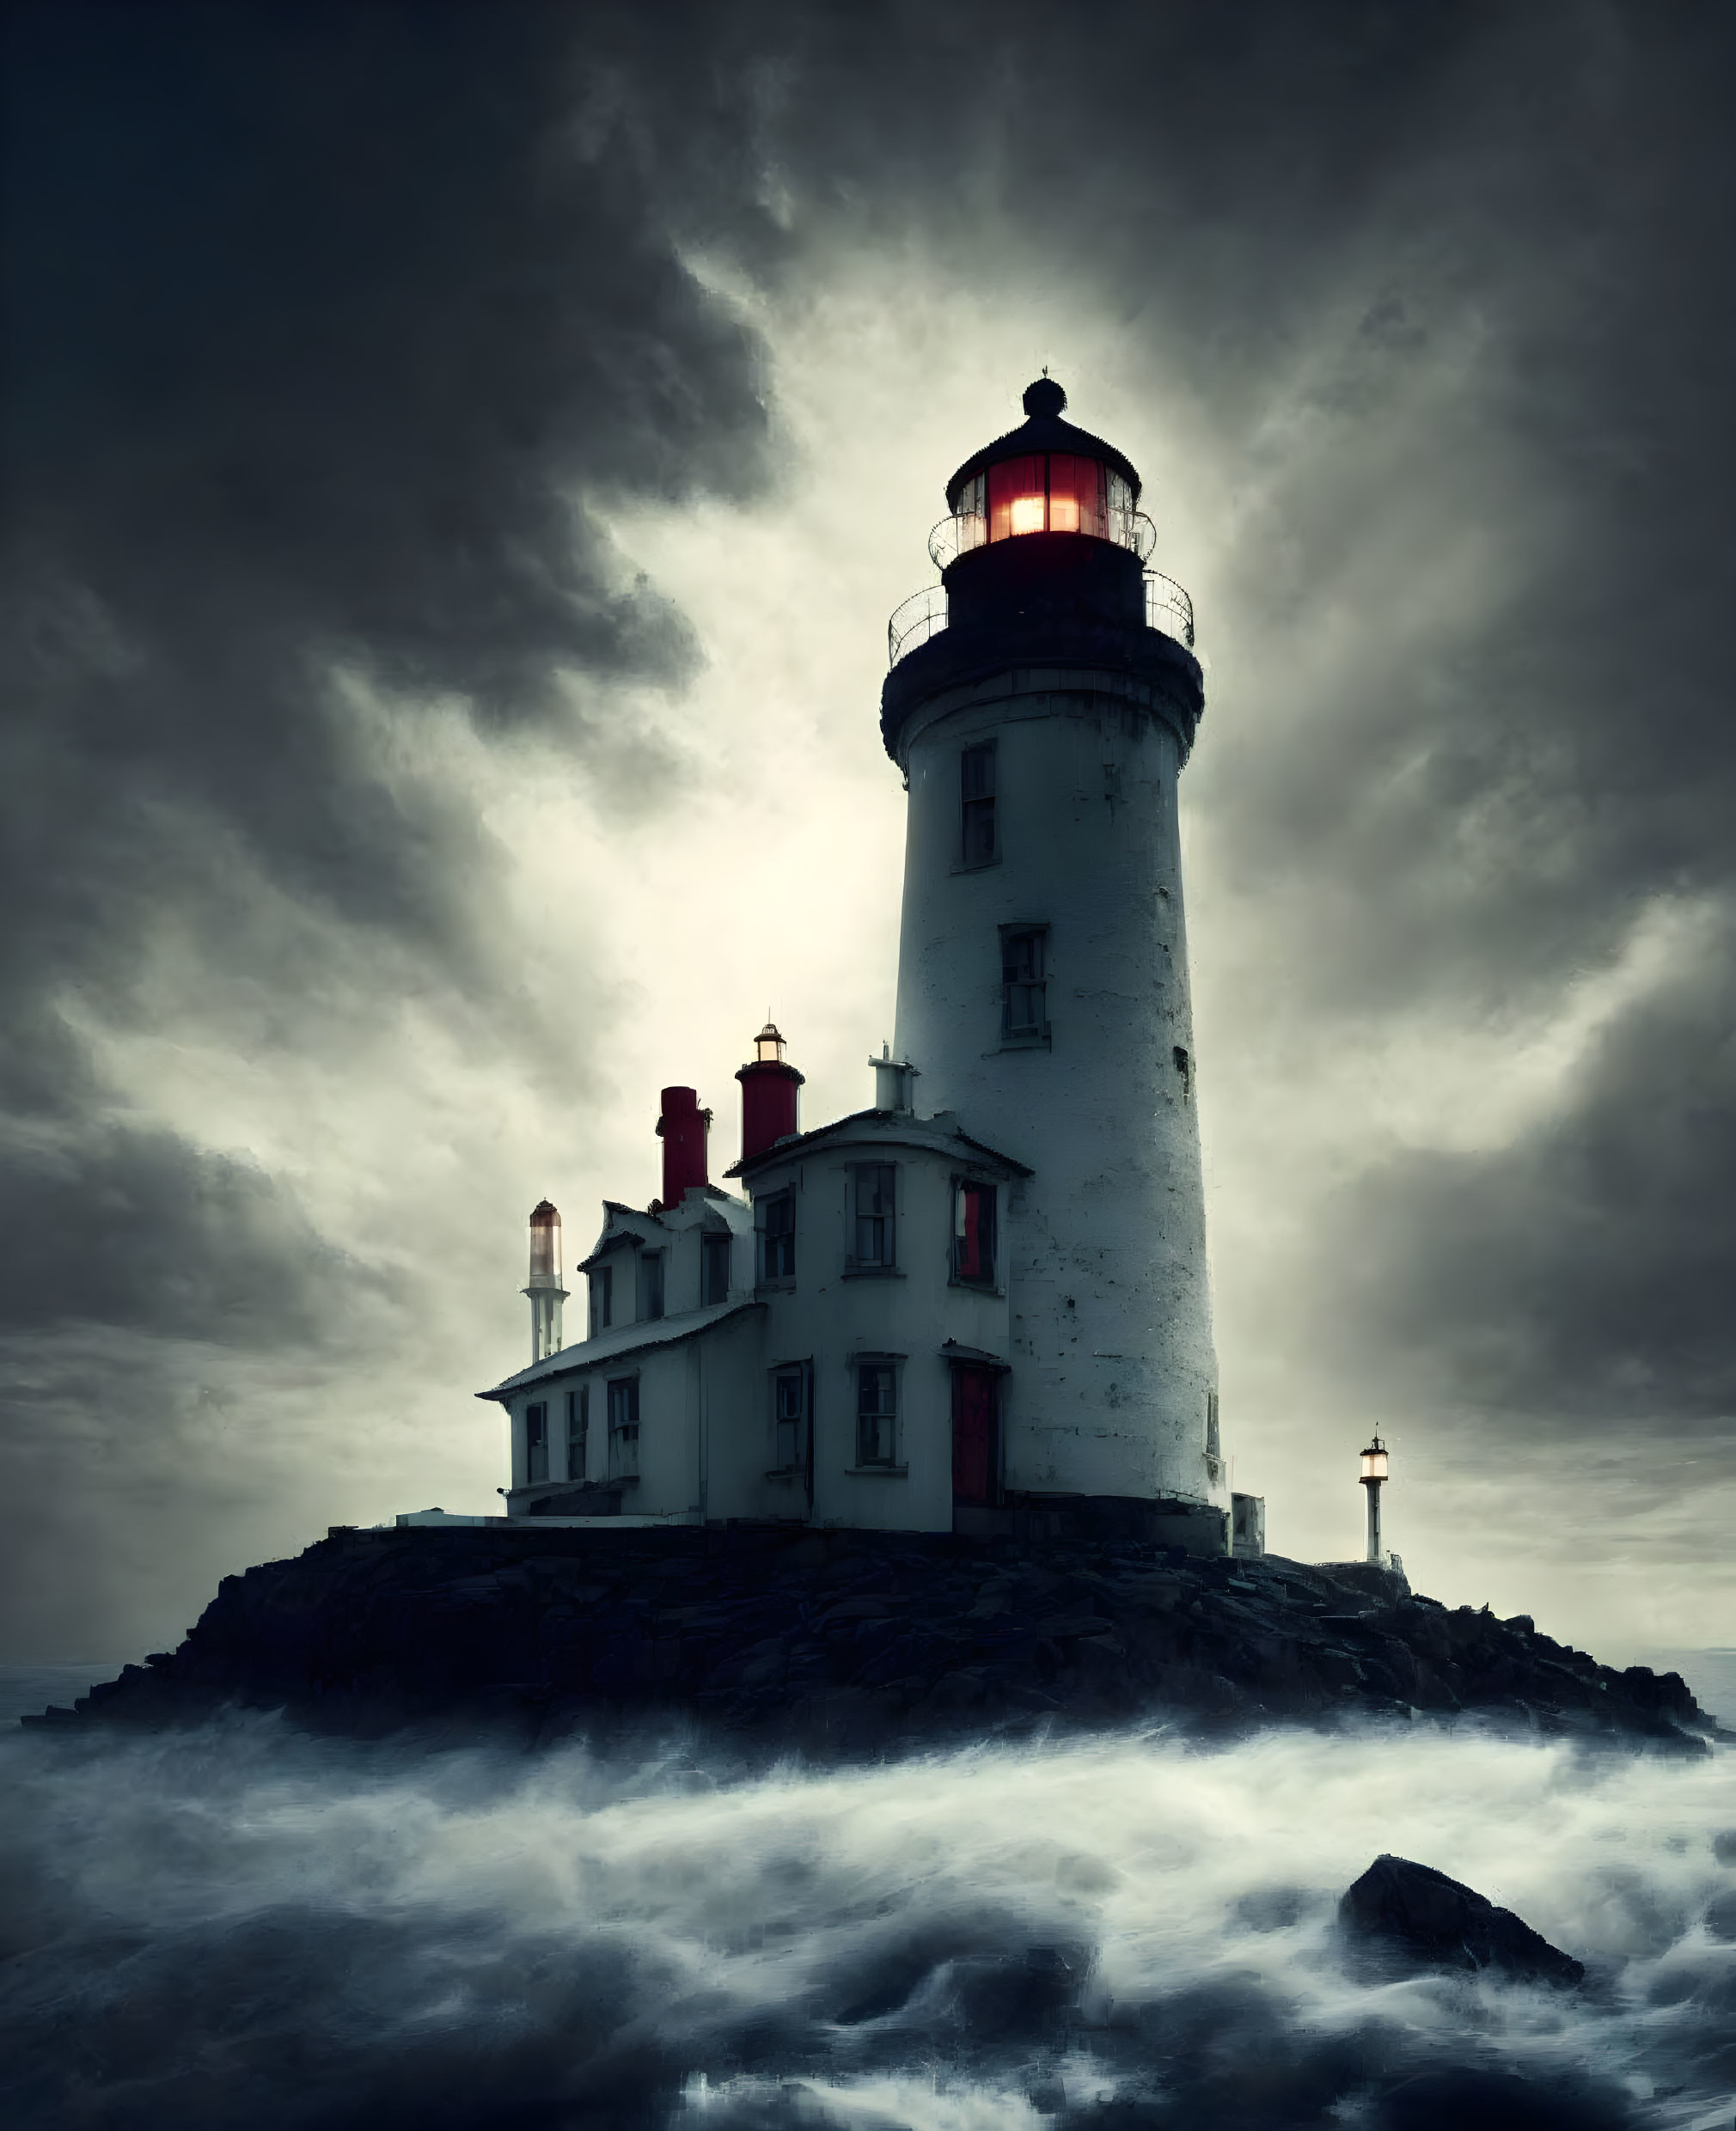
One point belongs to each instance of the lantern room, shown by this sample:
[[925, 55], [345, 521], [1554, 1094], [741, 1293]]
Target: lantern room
[[545, 1244], [1046, 477], [1045, 540]]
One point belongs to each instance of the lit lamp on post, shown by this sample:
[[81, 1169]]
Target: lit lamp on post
[[1373, 1477]]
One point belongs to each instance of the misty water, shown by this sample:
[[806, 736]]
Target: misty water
[[240, 1924]]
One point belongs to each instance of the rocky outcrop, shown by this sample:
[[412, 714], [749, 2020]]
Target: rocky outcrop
[[1415, 1914], [850, 1642]]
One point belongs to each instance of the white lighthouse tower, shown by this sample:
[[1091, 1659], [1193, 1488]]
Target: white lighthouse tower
[[1041, 707]]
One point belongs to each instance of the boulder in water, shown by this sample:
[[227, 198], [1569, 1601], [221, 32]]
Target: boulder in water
[[1417, 1911]]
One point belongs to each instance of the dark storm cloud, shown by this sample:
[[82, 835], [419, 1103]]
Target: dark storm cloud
[[325, 325], [1588, 1269], [246, 1268]]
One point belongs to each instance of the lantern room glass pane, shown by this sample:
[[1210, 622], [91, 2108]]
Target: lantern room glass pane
[[1016, 498], [1078, 501]]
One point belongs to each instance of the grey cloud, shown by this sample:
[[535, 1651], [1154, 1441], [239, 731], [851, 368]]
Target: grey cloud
[[128, 1227], [1586, 1271]]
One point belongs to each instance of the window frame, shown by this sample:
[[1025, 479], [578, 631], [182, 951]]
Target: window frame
[[887, 1259], [800, 1374], [988, 1280], [891, 1366], [784, 1239], [711, 1247], [986, 803], [1027, 1034], [535, 1442], [600, 1281], [579, 1430], [650, 1285], [623, 1431]]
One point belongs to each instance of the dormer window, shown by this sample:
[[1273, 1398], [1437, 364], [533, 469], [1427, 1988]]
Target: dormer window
[[650, 1284], [601, 1300]]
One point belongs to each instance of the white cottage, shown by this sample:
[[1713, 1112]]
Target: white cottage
[[987, 1308]]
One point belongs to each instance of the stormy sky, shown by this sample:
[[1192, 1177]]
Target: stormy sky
[[457, 463]]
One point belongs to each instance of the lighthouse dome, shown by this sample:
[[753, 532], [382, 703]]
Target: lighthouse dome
[[1015, 466]]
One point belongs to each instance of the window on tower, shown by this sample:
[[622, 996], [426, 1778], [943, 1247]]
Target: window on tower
[[977, 791], [1023, 983], [972, 1234]]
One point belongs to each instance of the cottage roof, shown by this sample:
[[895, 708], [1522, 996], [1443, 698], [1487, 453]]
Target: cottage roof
[[930, 1135], [616, 1345]]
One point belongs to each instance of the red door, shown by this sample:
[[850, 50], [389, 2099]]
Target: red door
[[975, 1447]]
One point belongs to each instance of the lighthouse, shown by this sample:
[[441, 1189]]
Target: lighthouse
[[1042, 705], [979, 1304]]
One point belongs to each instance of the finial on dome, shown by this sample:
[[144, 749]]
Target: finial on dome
[[1044, 397]]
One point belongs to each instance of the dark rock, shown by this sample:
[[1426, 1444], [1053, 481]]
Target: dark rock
[[850, 1643], [1415, 1911]]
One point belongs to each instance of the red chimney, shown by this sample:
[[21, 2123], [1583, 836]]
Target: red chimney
[[768, 1095], [683, 1129]]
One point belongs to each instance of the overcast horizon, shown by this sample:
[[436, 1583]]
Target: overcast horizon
[[459, 462]]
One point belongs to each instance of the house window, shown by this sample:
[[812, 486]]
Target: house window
[[1212, 1446], [623, 1428], [972, 1233], [1023, 1009], [877, 1414], [976, 790], [778, 1236], [872, 1187], [650, 1284], [790, 1416], [715, 1269], [601, 1300], [535, 1443], [578, 1431]]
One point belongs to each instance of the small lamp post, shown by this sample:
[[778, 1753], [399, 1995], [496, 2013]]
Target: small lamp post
[[1373, 1477]]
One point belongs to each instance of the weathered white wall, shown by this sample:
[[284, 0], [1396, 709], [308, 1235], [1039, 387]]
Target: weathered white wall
[[833, 1316], [1111, 1310], [706, 1424]]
